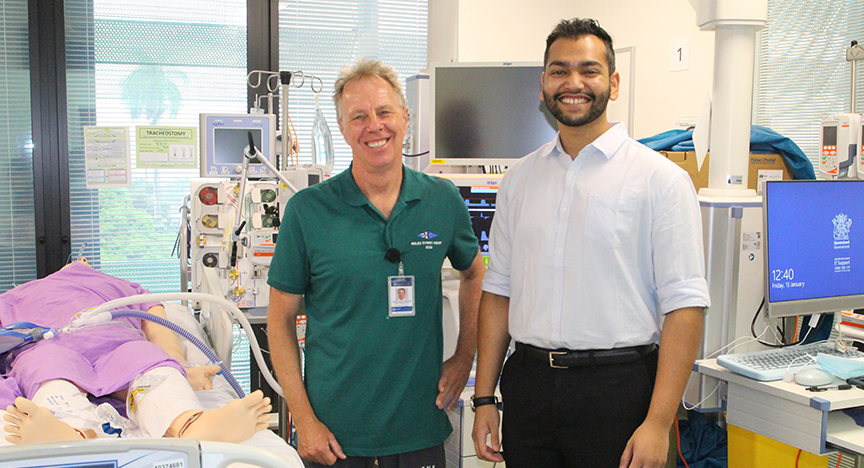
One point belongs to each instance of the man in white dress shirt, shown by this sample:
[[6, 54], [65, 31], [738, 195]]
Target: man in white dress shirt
[[595, 243]]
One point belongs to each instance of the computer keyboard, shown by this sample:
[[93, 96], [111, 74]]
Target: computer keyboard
[[773, 364]]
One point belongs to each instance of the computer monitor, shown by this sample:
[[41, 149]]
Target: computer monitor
[[488, 110], [224, 137], [814, 246]]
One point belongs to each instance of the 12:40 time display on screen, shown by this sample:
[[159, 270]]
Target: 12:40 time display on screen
[[783, 275]]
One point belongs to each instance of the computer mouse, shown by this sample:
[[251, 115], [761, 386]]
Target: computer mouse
[[813, 376]]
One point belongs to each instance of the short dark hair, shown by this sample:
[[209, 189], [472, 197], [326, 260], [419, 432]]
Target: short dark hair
[[576, 28]]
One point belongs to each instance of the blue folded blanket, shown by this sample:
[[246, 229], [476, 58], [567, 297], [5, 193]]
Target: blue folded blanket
[[762, 140]]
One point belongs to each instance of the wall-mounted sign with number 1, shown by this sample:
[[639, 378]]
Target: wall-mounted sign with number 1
[[679, 54]]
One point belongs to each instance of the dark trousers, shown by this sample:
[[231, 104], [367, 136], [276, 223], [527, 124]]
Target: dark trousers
[[576, 417], [432, 457]]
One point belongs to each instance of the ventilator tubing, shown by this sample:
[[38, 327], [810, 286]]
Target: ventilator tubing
[[201, 297], [185, 334]]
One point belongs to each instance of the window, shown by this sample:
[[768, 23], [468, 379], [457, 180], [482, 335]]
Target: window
[[803, 73], [17, 231], [145, 63]]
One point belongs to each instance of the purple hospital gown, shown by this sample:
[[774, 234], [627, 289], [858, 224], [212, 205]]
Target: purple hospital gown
[[100, 359], [8, 392]]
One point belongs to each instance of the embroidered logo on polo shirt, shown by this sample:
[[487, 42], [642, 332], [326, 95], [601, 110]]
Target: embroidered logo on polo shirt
[[428, 242]]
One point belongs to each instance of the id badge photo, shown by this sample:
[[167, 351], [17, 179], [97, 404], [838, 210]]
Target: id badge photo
[[401, 295]]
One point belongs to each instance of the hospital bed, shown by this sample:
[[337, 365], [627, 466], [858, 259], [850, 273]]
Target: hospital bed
[[264, 449], [140, 453]]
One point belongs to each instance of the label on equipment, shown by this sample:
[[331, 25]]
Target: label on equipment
[[170, 464]]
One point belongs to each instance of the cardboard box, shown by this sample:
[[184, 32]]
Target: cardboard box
[[760, 167]]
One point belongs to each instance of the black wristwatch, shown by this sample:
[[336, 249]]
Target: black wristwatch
[[481, 401]]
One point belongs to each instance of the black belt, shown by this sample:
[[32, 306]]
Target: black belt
[[565, 359]]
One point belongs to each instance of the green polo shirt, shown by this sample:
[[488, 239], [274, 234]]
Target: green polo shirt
[[372, 379]]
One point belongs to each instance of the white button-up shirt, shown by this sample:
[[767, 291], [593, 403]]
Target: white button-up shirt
[[592, 251]]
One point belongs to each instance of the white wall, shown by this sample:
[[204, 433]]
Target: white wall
[[516, 30]]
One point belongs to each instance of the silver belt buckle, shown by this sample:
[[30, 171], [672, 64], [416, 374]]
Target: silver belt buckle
[[552, 363]]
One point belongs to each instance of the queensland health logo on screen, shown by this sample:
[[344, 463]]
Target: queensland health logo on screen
[[824, 258], [842, 227]]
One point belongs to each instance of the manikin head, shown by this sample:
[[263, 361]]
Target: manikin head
[[81, 260]]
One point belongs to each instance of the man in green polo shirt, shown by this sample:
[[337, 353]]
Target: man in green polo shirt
[[366, 249]]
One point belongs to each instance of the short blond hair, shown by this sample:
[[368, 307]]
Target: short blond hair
[[362, 68]]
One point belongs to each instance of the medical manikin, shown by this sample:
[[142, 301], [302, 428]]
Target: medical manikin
[[72, 385]]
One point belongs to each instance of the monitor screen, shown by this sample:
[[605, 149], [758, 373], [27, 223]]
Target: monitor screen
[[230, 143], [224, 138], [490, 110], [480, 201], [814, 246], [829, 135]]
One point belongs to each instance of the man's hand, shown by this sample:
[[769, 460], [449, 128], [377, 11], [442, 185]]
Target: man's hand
[[648, 447], [454, 375], [486, 421], [199, 376], [679, 343], [317, 444], [314, 441], [457, 369]]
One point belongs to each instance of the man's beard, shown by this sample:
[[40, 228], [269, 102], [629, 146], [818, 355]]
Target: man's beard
[[598, 106]]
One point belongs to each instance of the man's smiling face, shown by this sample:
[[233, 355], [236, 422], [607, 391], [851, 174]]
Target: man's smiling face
[[373, 122], [577, 85]]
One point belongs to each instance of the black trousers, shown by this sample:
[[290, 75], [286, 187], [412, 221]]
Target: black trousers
[[576, 417]]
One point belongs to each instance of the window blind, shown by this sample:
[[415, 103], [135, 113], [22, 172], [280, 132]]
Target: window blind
[[320, 37], [803, 73], [17, 231], [132, 63]]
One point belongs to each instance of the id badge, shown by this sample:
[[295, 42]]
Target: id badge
[[401, 294]]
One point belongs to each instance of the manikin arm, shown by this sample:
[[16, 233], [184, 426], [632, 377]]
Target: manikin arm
[[198, 377]]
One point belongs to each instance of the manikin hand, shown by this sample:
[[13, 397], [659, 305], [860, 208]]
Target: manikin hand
[[199, 377]]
